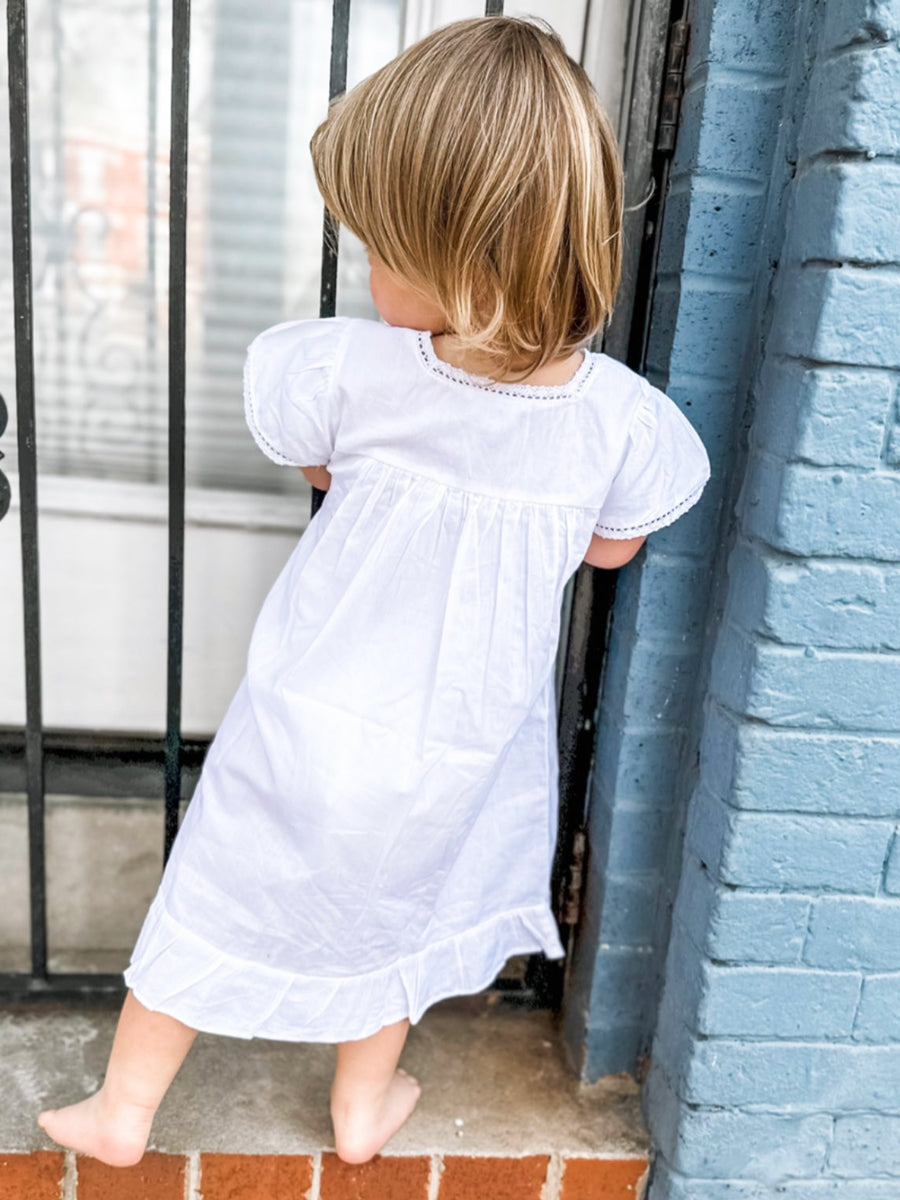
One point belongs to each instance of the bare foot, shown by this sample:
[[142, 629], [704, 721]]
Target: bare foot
[[363, 1126], [116, 1133]]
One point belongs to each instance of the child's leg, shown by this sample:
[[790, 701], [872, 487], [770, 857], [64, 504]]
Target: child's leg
[[114, 1124], [370, 1096]]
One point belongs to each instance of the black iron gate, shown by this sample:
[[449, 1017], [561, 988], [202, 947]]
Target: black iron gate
[[35, 760]]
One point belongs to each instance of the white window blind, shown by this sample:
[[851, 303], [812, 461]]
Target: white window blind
[[99, 93]]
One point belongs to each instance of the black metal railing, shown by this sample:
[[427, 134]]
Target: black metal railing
[[20, 180], [90, 764]]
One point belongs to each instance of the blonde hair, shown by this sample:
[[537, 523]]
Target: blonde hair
[[480, 167]]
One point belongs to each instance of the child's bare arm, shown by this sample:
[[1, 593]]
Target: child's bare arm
[[319, 477], [612, 552]]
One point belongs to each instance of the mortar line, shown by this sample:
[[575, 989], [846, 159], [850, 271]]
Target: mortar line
[[642, 1186], [553, 1183], [885, 866], [858, 1006], [316, 1186], [192, 1176], [68, 1188], [434, 1176]]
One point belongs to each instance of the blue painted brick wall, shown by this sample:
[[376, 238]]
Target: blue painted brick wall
[[776, 1058], [714, 233]]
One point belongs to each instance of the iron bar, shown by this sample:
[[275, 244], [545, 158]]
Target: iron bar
[[493, 8], [61, 985], [178, 160], [337, 85], [19, 151], [99, 765], [150, 318]]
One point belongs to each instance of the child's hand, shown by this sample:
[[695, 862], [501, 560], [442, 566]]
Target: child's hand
[[319, 477], [612, 552]]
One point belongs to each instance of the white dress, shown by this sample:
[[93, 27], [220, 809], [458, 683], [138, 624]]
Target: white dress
[[374, 825]]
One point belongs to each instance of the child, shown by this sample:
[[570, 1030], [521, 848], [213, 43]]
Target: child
[[375, 822]]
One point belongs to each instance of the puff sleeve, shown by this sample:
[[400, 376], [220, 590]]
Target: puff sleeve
[[290, 401], [663, 473]]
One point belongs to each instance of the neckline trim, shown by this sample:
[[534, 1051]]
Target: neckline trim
[[436, 366]]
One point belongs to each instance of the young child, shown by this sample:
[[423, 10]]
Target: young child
[[375, 822]]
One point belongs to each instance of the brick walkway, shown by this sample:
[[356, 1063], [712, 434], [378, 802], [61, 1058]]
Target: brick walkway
[[51, 1175]]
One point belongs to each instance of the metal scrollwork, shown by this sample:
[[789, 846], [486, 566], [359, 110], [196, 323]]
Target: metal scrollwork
[[4, 482]]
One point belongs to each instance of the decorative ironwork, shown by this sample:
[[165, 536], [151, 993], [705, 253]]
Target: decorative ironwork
[[4, 482]]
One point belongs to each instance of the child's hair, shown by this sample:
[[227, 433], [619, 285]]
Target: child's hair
[[480, 167]]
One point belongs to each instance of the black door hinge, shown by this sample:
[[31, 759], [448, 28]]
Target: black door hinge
[[673, 86], [572, 899]]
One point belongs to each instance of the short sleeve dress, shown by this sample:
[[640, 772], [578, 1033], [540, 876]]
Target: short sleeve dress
[[374, 825]]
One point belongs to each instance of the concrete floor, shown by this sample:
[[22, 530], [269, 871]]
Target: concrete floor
[[495, 1081]]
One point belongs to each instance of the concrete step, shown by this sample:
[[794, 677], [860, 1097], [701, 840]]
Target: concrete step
[[502, 1116]]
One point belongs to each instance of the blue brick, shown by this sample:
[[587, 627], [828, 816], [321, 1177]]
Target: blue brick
[[708, 830], [892, 869], [674, 1042], [860, 21], [722, 228], [685, 981], [778, 1002], [757, 928], [878, 1019], [849, 212], [823, 415], [629, 908], [812, 688], [852, 932], [727, 127], [628, 837], [849, 105], [811, 1076], [668, 1185], [612, 1051], [654, 682], [671, 1185], [766, 1147], [738, 926], [839, 605], [709, 405], [630, 763], [691, 534], [805, 851], [840, 315], [620, 992], [752, 35], [892, 447], [817, 511], [637, 837], [793, 851], [762, 768], [662, 596], [712, 326], [867, 1144]]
